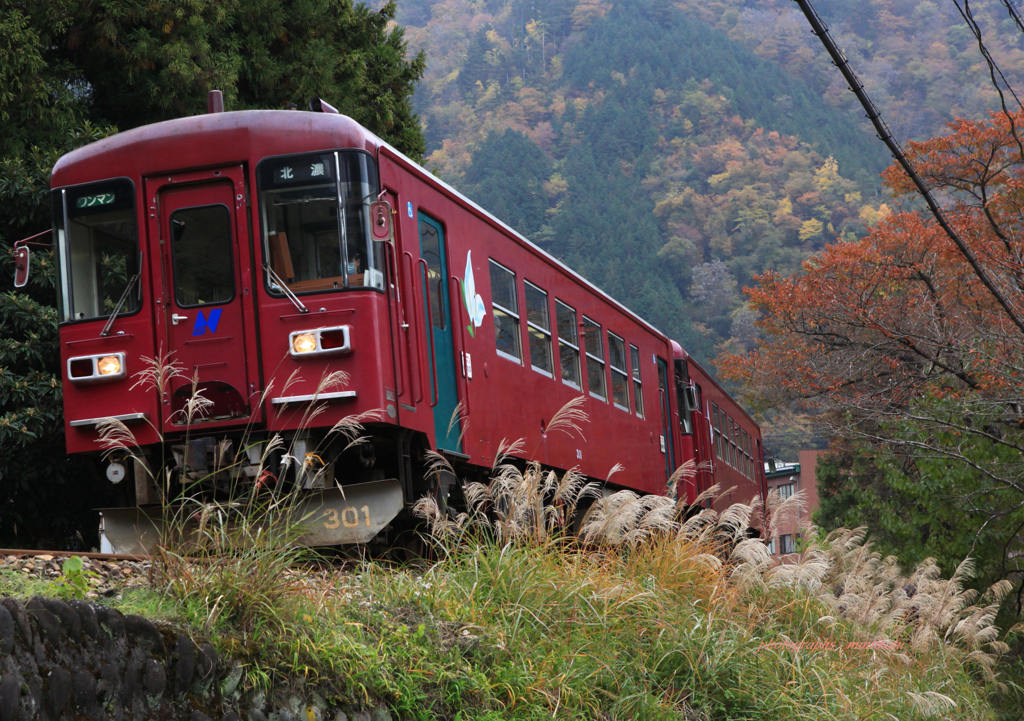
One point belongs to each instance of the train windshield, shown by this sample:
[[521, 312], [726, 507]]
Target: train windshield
[[98, 249], [316, 222]]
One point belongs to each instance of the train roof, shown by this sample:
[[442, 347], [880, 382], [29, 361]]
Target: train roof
[[186, 143]]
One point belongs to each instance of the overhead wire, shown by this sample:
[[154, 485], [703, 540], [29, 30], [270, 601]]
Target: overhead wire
[[1013, 13], [839, 59], [993, 70]]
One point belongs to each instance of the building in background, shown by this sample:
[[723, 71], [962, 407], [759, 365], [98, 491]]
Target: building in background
[[787, 479]]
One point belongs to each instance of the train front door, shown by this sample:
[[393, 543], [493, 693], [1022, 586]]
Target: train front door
[[443, 390], [202, 260]]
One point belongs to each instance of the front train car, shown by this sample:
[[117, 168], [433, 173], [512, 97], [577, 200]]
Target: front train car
[[230, 279], [217, 275]]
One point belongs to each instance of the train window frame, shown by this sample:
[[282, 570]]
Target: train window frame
[[568, 349], [595, 358], [716, 426], [733, 454], [748, 459], [538, 327], [730, 443], [617, 345], [176, 271], [431, 234], [504, 314], [637, 381], [724, 418], [734, 443], [357, 265], [70, 295]]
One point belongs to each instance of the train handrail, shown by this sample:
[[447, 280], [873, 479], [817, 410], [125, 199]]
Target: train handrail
[[430, 330], [455, 283], [391, 260], [418, 395]]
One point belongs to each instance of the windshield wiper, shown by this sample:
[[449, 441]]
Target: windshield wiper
[[283, 287], [120, 304]]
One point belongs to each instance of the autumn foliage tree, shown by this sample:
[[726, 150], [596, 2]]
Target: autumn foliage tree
[[911, 341]]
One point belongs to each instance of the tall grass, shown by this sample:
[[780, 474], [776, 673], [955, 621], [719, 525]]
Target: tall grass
[[228, 548], [554, 598], [664, 615]]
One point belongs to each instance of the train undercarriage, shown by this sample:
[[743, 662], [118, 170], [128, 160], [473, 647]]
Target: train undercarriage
[[329, 491]]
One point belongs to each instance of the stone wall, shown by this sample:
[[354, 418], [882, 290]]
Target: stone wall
[[76, 660]]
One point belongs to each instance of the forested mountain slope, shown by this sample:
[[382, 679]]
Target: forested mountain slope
[[671, 151]]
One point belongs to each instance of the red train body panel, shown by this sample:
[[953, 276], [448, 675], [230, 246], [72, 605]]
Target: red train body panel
[[240, 246]]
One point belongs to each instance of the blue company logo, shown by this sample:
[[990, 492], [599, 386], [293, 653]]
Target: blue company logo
[[203, 323]]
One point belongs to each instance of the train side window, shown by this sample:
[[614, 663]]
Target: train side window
[[638, 387], [744, 455], [538, 329], [617, 363], [595, 359], [726, 440], [201, 242], [748, 465], [716, 424], [748, 460], [568, 345], [730, 425], [430, 244], [687, 399], [505, 305], [741, 453]]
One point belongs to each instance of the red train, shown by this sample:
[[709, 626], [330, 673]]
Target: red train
[[262, 251]]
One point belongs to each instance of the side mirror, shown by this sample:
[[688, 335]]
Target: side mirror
[[21, 264], [380, 220]]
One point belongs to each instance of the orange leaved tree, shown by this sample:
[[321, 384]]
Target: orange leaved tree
[[909, 337]]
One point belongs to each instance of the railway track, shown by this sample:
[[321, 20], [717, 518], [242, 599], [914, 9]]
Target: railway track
[[92, 555], [109, 574], [105, 574]]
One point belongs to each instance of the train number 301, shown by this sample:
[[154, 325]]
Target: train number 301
[[349, 517]]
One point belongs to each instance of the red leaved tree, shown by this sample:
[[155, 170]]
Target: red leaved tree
[[907, 328]]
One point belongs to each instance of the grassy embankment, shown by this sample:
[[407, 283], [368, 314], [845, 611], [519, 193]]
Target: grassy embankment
[[654, 619], [641, 615]]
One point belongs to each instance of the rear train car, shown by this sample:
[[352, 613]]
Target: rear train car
[[280, 261]]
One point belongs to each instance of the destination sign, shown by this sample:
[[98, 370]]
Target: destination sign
[[92, 201], [100, 197], [297, 170]]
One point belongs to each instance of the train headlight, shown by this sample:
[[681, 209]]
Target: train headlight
[[109, 365], [303, 343], [320, 341], [98, 367]]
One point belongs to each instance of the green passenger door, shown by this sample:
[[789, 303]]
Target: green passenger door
[[443, 388], [667, 444]]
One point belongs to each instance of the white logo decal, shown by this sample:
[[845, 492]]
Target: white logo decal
[[474, 303]]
